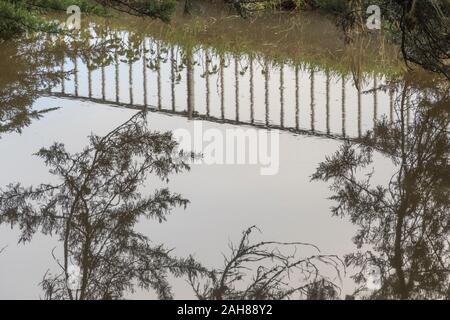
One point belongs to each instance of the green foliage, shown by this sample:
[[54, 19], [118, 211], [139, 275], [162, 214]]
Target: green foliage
[[18, 17], [335, 6]]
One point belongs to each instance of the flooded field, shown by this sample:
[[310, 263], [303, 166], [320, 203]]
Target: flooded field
[[292, 75]]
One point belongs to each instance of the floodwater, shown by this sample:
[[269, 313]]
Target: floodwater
[[290, 75]]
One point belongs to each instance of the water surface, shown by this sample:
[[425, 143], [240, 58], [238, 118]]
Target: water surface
[[316, 93]]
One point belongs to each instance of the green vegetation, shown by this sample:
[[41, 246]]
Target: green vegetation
[[275, 37], [20, 16], [16, 18], [325, 5], [331, 5]]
